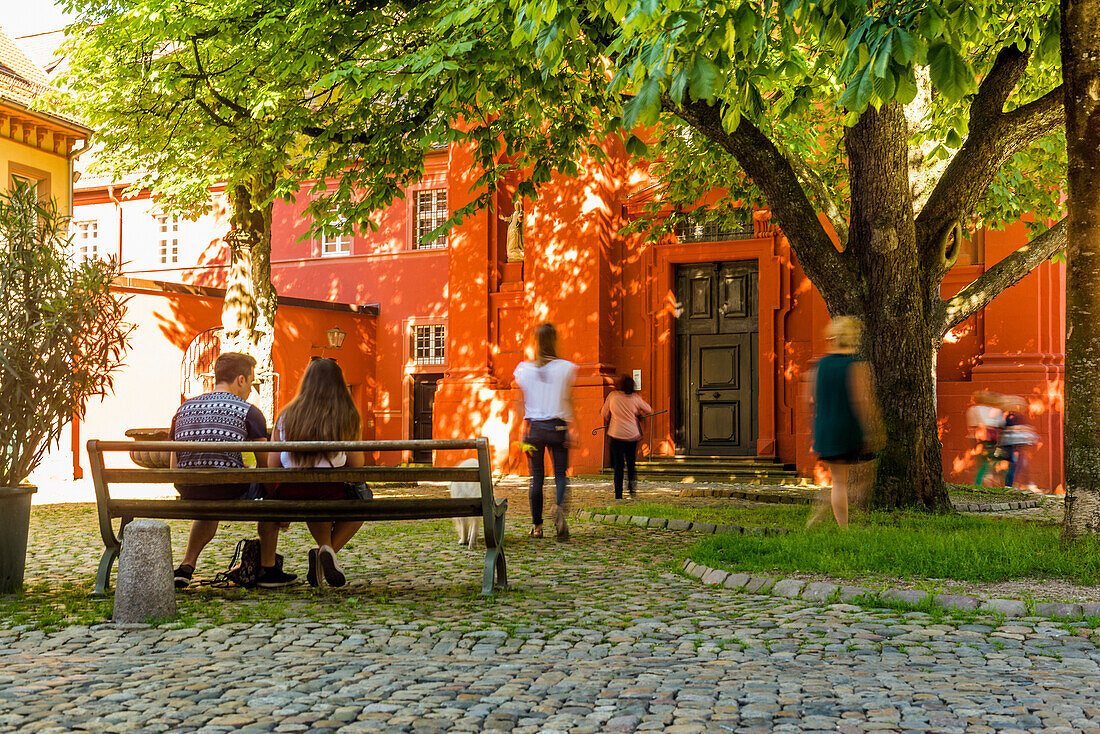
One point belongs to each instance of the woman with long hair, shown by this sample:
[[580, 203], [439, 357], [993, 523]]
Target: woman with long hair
[[621, 412], [547, 385], [323, 410]]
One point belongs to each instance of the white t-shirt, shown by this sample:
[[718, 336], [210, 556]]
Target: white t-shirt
[[545, 388], [288, 460]]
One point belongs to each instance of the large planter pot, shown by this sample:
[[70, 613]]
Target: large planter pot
[[150, 459], [15, 523]]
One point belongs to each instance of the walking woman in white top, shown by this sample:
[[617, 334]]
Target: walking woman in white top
[[547, 385]]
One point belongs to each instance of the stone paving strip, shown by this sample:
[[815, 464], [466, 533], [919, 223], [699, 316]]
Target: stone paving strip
[[603, 633], [794, 495], [661, 523]]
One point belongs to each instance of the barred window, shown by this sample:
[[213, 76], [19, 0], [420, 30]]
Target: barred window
[[86, 240], [431, 213], [430, 344], [333, 240], [169, 227], [690, 230]]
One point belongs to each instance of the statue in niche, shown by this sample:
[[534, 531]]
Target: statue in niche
[[515, 234]]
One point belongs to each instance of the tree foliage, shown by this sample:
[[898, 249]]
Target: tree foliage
[[901, 121]]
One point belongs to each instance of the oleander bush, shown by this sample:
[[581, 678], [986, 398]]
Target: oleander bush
[[62, 330]]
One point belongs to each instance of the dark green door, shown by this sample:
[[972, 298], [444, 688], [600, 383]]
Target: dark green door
[[717, 366]]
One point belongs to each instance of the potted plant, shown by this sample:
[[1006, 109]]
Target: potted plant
[[62, 334]]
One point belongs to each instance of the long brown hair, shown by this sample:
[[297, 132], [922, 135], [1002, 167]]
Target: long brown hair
[[546, 343], [322, 410]]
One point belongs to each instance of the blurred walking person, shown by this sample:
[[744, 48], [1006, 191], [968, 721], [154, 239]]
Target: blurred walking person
[[847, 423], [1016, 439], [547, 385], [985, 419], [622, 412]]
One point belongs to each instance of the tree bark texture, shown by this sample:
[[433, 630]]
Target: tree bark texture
[[1081, 75], [248, 313], [898, 306]]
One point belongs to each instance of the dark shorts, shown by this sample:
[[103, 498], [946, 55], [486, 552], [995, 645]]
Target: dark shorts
[[213, 491], [304, 491], [852, 457]]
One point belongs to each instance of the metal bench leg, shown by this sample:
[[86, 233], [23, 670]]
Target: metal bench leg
[[496, 571], [104, 574]]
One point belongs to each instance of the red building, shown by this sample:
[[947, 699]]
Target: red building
[[719, 326]]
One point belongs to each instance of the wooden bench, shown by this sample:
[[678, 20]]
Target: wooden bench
[[486, 506]]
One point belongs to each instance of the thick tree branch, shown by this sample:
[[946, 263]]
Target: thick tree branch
[[995, 136], [771, 172], [809, 177], [994, 281], [993, 92]]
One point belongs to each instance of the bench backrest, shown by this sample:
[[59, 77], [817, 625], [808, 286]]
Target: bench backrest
[[103, 477]]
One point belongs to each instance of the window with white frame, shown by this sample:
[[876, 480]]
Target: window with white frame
[[431, 213], [169, 227], [430, 344], [86, 240], [333, 240]]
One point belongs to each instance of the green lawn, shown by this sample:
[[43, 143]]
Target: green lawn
[[907, 545]]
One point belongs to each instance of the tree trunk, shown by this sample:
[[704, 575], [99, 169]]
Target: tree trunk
[[898, 311], [248, 313], [1081, 76]]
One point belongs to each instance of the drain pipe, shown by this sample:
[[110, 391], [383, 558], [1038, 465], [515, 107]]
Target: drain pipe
[[74, 426]]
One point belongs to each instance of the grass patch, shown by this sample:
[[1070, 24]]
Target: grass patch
[[907, 545], [967, 493]]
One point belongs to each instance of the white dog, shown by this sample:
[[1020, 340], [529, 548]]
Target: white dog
[[466, 526]]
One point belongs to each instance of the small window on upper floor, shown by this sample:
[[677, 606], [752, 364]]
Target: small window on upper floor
[[333, 240], [86, 240], [430, 344], [17, 179], [431, 213], [168, 227]]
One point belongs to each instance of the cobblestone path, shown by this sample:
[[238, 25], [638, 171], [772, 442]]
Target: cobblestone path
[[600, 634]]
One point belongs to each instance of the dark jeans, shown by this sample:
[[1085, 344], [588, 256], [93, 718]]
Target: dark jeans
[[1017, 463], [624, 452], [546, 435]]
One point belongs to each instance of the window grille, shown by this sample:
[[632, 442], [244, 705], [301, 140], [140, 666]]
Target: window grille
[[86, 240], [333, 240], [690, 230], [430, 344], [431, 213], [169, 226]]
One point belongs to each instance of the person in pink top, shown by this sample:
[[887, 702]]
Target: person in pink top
[[621, 412]]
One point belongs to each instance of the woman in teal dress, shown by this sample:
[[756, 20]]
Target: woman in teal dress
[[847, 424]]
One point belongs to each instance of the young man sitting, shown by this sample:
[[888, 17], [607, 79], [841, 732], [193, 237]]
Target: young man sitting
[[223, 414]]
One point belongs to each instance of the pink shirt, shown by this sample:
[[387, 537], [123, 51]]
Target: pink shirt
[[623, 410]]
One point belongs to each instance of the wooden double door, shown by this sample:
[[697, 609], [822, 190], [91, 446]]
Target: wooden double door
[[717, 329]]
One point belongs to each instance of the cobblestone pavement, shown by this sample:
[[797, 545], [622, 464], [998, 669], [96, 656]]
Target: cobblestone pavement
[[600, 634]]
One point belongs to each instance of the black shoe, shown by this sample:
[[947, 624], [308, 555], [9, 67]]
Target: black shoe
[[334, 575], [313, 576], [183, 575], [273, 578]]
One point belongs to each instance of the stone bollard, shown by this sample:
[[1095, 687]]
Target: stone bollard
[[144, 588]]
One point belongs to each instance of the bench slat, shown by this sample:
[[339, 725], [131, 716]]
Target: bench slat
[[228, 446], [265, 475], [302, 510]]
